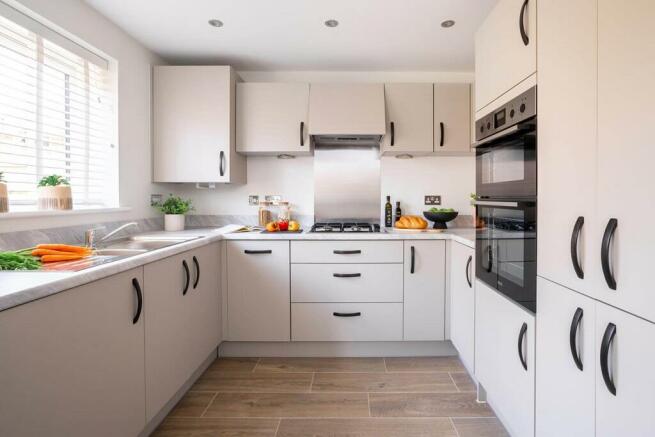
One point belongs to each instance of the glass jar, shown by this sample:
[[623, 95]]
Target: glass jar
[[265, 212], [283, 212]]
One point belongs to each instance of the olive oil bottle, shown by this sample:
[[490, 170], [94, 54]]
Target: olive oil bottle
[[388, 212], [399, 213]]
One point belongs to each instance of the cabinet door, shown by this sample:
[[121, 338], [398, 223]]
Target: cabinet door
[[462, 302], [72, 363], [425, 290], [193, 116], [258, 291], [502, 58], [630, 360], [409, 118], [452, 117], [567, 142], [499, 367], [626, 67], [272, 118], [565, 373]]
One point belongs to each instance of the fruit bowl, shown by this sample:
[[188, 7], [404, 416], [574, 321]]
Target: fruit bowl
[[440, 218]]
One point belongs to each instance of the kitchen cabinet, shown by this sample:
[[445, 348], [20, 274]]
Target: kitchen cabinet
[[193, 125], [566, 362], [505, 358], [452, 117], [409, 118], [345, 252], [505, 49], [258, 291], [425, 290], [272, 118], [73, 363], [462, 302]]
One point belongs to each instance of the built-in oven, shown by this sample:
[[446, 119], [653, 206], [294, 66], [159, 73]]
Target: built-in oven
[[506, 249]]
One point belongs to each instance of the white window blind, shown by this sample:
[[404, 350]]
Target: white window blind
[[56, 114]]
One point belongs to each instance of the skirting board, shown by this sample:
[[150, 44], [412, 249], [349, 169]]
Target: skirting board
[[336, 349]]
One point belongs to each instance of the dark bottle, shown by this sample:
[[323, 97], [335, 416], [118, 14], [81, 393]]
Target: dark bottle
[[388, 213], [399, 213]]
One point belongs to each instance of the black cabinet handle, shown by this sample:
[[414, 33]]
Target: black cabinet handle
[[347, 275], [612, 224], [197, 264], [573, 336], [188, 277], [257, 252], [346, 252], [441, 128], [393, 133], [524, 36], [468, 265], [608, 338], [575, 238], [524, 328], [302, 133], [411, 269], [221, 165], [139, 300], [346, 314]]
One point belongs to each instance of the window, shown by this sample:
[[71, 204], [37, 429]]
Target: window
[[56, 114]]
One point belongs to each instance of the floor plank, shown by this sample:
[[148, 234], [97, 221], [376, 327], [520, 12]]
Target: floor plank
[[377, 427], [427, 405], [234, 364], [299, 364], [217, 428], [479, 427], [193, 404], [254, 382], [383, 382], [463, 381], [424, 364], [289, 405]]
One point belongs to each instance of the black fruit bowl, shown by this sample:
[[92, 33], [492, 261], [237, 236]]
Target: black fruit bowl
[[440, 218]]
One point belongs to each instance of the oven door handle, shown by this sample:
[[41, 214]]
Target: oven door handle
[[495, 203], [503, 133]]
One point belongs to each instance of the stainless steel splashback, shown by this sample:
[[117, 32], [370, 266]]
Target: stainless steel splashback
[[347, 183]]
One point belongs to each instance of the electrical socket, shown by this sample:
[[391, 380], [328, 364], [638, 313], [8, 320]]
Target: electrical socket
[[253, 200], [155, 199], [433, 199]]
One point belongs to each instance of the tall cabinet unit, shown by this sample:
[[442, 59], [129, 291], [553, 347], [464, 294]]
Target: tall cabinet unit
[[409, 118], [452, 117], [194, 125]]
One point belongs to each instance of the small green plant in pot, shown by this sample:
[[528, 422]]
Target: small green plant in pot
[[54, 192], [4, 197], [174, 209]]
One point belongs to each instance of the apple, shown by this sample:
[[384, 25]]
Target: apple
[[283, 225]]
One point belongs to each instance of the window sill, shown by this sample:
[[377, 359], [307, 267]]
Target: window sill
[[54, 213]]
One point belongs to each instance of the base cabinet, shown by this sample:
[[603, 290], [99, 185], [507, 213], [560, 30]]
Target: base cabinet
[[72, 364], [462, 302], [505, 358]]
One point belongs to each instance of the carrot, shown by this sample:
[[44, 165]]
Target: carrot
[[64, 248], [55, 258], [41, 252]]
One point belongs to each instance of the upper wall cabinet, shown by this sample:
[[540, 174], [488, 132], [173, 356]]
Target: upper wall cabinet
[[505, 49], [272, 118], [452, 117], [409, 118], [194, 119]]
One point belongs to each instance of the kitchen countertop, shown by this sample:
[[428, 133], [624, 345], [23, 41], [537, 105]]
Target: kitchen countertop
[[20, 287]]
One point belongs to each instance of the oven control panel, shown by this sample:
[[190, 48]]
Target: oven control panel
[[516, 110]]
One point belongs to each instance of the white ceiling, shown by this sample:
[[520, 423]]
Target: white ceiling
[[387, 35]]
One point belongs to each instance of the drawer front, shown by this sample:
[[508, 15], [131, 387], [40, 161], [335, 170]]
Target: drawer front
[[375, 322], [346, 283], [346, 252]]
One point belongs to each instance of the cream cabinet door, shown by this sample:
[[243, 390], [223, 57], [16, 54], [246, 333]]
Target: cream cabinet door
[[462, 302], [272, 118], [72, 364], [409, 118], [452, 117], [258, 291], [505, 49]]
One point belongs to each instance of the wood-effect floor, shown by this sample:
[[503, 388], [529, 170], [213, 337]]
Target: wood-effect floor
[[336, 397]]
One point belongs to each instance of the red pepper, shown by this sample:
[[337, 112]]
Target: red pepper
[[283, 225]]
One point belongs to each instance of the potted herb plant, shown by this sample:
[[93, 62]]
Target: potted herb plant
[[54, 192], [4, 197], [174, 209]]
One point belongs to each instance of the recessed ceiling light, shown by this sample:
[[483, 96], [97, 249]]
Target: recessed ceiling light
[[331, 23], [448, 23], [216, 23]]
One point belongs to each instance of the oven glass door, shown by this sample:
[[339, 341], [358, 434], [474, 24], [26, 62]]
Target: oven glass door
[[506, 250]]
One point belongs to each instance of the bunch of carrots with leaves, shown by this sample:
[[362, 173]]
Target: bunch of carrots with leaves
[[60, 252]]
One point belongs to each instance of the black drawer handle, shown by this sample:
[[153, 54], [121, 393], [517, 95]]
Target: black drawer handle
[[413, 263], [524, 329], [608, 236], [346, 314], [197, 264], [346, 252], [257, 252], [441, 129], [468, 267], [187, 275], [573, 337], [605, 346], [221, 164], [347, 275], [302, 133], [139, 300], [575, 238], [393, 133], [524, 35]]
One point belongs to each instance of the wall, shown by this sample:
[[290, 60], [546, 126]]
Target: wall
[[134, 62]]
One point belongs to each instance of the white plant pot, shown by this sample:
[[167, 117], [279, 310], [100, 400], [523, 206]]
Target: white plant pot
[[173, 222], [4, 198], [59, 197]]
